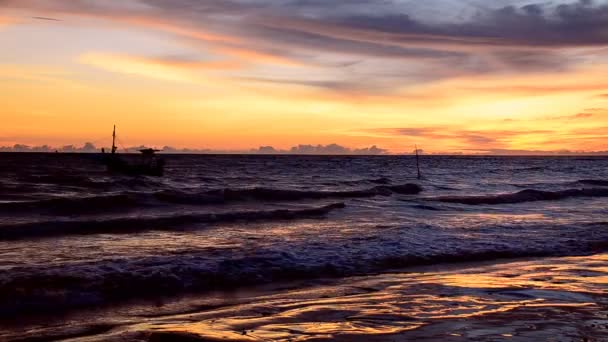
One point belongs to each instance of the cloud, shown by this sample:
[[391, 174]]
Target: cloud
[[167, 68], [515, 152], [36, 73], [525, 87], [461, 138], [588, 113], [46, 18], [535, 37], [331, 149], [541, 25], [86, 148], [251, 55], [573, 117], [337, 85], [582, 133], [190, 63], [581, 116]]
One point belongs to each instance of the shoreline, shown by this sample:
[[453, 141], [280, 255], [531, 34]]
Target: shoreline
[[517, 300]]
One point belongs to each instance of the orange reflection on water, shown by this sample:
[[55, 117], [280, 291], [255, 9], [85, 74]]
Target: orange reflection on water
[[528, 299]]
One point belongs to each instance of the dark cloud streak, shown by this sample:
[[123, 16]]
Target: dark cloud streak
[[46, 18]]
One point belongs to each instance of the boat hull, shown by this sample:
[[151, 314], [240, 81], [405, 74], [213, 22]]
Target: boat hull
[[117, 165]]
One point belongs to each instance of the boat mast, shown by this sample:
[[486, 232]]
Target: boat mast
[[114, 140], [418, 162]]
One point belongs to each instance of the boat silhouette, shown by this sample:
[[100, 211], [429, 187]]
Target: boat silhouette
[[149, 164]]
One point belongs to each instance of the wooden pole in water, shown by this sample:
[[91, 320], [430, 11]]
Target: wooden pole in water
[[114, 140], [418, 162]]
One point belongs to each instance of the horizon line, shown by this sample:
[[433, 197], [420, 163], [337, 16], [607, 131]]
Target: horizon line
[[243, 153]]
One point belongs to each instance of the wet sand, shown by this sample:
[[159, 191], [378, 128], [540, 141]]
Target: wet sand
[[551, 299]]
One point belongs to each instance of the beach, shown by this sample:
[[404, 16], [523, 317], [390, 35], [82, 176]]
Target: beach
[[553, 299]]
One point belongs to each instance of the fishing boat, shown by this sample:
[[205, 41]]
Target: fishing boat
[[149, 164]]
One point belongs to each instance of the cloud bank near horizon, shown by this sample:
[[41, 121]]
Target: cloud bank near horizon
[[332, 149]]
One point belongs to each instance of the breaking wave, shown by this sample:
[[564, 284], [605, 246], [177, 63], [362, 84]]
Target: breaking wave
[[68, 286]]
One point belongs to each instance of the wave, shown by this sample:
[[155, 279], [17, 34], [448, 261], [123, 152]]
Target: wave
[[267, 194], [101, 182], [443, 187], [380, 181], [59, 179], [425, 207], [595, 182], [85, 284], [137, 224], [72, 205], [528, 195], [127, 200], [561, 184], [532, 168]]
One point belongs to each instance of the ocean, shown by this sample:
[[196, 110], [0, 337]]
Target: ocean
[[73, 237]]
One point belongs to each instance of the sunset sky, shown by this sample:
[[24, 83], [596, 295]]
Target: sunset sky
[[449, 75]]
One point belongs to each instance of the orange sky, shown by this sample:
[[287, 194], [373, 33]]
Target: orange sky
[[232, 78]]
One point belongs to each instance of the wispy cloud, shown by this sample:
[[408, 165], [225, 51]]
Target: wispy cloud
[[516, 152], [573, 117], [34, 73], [495, 140], [461, 137], [169, 68]]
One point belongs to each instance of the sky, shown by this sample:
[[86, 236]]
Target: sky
[[452, 76]]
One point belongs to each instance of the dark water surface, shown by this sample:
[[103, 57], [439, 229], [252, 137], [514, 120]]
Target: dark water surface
[[73, 236]]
